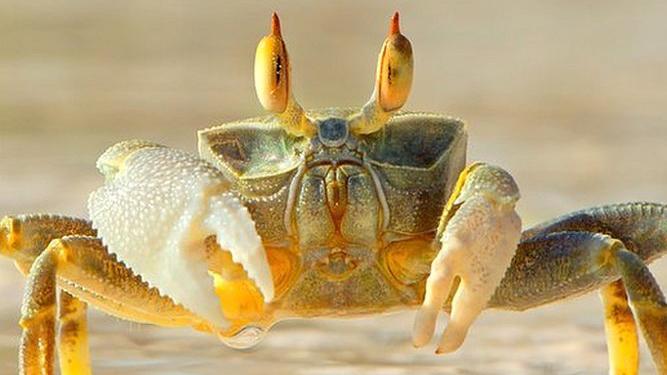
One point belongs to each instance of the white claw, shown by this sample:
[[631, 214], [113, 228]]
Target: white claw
[[155, 211], [477, 247], [235, 230]]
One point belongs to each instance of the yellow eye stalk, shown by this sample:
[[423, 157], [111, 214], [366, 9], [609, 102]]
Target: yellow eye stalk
[[272, 70], [272, 83], [393, 80], [394, 73]]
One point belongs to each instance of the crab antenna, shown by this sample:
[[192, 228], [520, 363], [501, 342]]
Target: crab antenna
[[273, 83], [393, 79]]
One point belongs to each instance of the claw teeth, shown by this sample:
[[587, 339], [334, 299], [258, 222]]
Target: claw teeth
[[235, 231]]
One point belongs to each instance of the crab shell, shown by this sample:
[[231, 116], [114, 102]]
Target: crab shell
[[159, 206]]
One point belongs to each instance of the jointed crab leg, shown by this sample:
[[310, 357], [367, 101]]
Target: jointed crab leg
[[36, 354], [565, 264], [605, 247], [553, 262], [73, 350], [648, 304], [38, 321], [81, 266], [84, 268], [621, 330], [24, 237], [92, 274]]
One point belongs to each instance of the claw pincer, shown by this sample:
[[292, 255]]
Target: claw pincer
[[155, 212], [479, 232]]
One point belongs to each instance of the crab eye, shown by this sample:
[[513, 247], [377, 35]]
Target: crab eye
[[394, 71], [393, 79], [272, 70]]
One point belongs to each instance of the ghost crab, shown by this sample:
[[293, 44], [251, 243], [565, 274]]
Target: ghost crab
[[336, 212]]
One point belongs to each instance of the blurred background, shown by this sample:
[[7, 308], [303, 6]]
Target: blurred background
[[570, 96]]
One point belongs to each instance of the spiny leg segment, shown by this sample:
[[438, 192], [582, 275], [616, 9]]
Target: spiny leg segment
[[85, 271], [36, 354], [570, 256]]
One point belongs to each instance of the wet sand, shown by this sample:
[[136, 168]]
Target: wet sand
[[568, 96]]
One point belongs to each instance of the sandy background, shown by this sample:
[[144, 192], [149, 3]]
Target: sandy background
[[571, 96]]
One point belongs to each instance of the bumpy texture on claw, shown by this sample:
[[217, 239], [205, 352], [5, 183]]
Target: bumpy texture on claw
[[480, 234], [156, 210]]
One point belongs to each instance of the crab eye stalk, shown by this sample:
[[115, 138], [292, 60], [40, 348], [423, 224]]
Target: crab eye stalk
[[393, 80], [272, 70], [394, 73], [272, 83]]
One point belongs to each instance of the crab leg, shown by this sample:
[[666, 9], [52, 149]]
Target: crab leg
[[36, 354], [648, 303], [621, 329], [564, 249], [73, 351], [24, 237], [559, 259], [560, 265], [81, 266], [102, 281]]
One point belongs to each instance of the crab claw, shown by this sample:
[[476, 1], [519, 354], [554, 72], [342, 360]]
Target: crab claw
[[479, 235], [155, 211]]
